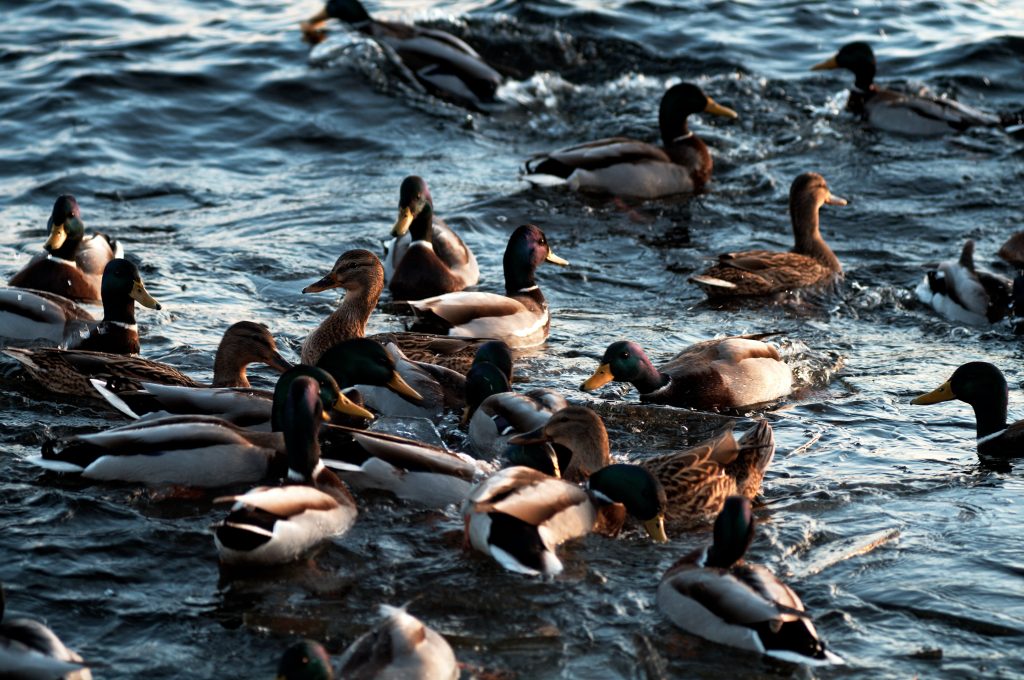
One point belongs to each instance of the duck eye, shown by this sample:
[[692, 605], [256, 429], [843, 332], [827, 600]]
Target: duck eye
[[625, 355]]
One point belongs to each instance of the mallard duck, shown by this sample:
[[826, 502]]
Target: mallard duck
[[519, 515], [894, 111], [191, 450], [69, 371], [715, 594], [72, 264], [442, 64], [360, 273], [1013, 253], [629, 167], [724, 373], [961, 293], [401, 646], [696, 481], [766, 272], [983, 386], [276, 525], [305, 660], [520, 317], [440, 263], [31, 651]]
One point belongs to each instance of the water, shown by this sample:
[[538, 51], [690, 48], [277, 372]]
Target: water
[[235, 172]]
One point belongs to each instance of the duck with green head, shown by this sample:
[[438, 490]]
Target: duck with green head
[[426, 257], [909, 114], [628, 167], [983, 386], [715, 594], [72, 264]]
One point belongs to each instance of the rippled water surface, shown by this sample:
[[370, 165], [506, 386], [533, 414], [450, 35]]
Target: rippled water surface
[[236, 166]]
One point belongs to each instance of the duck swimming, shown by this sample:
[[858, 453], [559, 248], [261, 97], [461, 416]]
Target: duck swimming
[[894, 111], [400, 646], [442, 64], [629, 167], [764, 272], [72, 264], [31, 651], [962, 293]]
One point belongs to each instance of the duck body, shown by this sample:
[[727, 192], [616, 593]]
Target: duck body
[[629, 167], [726, 373], [502, 416], [898, 112], [401, 647], [27, 315], [765, 272], [962, 293], [31, 651], [714, 594]]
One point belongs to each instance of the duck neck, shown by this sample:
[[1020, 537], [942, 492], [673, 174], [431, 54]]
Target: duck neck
[[520, 281], [673, 132], [68, 249], [229, 368], [649, 379], [864, 78], [807, 237], [990, 417], [422, 226], [119, 308], [590, 453], [350, 318]]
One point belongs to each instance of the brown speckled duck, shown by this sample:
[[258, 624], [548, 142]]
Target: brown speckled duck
[[766, 272]]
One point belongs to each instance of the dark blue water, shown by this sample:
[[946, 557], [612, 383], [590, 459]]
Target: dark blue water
[[236, 166]]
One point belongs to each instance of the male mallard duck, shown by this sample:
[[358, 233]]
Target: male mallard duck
[[69, 371], [276, 525], [716, 595], [696, 481], [31, 651], [305, 660], [520, 317], [959, 292], [444, 65], [894, 111], [765, 272], [72, 264], [191, 450], [401, 646], [725, 373], [983, 386], [426, 258], [519, 515], [629, 167]]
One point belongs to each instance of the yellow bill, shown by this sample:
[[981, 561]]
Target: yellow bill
[[397, 384], [555, 259], [350, 408], [405, 218], [656, 529], [943, 392], [717, 109], [602, 376], [142, 296], [57, 237], [826, 65]]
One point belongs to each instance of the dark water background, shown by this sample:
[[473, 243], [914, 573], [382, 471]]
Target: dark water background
[[236, 169]]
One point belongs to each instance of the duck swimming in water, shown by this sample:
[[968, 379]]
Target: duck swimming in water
[[960, 292]]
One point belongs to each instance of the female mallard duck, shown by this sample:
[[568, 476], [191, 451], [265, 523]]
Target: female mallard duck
[[519, 515], [715, 594], [983, 386], [961, 293], [725, 373], [629, 167], [894, 111], [191, 450], [360, 273], [520, 317], [31, 651], [72, 264], [276, 525], [766, 272], [27, 314], [401, 646], [442, 64], [696, 481], [440, 262], [69, 371]]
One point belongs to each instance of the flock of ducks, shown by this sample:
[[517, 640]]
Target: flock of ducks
[[540, 471]]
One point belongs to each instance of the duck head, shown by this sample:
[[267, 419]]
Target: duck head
[[121, 288], [495, 352], [483, 380], [527, 248], [415, 209], [244, 343], [349, 11], [578, 431], [301, 416], [734, 530], [678, 103], [857, 57], [354, 270], [65, 227], [635, 488], [627, 362], [330, 395], [360, 361], [305, 660], [979, 384]]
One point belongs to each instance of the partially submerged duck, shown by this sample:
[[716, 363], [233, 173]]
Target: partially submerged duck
[[426, 257], [628, 167], [983, 386], [305, 660], [401, 646], [519, 318], [441, 63], [895, 111], [960, 292], [715, 594], [72, 263], [764, 272], [725, 373], [31, 651]]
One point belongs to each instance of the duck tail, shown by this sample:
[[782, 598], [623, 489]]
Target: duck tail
[[757, 449]]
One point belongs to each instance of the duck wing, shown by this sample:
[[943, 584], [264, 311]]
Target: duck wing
[[601, 153]]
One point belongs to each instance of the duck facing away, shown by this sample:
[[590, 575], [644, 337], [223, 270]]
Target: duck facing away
[[715, 594], [628, 167], [895, 111], [31, 651], [764, 272], [725, 373], [983, 386], [426, 258], [400, 647], [441, 63], [960, 292], [72, 263]]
